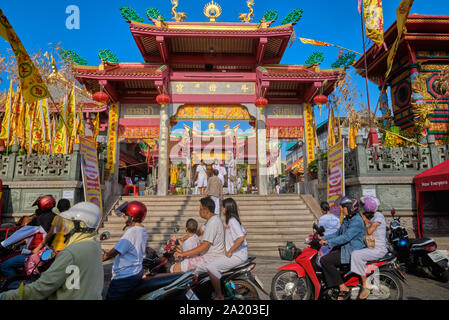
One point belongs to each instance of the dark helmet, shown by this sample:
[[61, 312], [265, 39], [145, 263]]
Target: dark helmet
[[45, 203], [136, 210], [352, 204]]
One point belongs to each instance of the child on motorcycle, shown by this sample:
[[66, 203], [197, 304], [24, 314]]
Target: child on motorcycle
[[236, 247], [128, 252], [330, 223]]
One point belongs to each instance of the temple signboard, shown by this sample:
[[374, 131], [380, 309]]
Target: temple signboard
[[284, 111], [139, 111], [211, 88]]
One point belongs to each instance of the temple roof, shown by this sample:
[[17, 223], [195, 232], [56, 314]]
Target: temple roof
[[423, 33]]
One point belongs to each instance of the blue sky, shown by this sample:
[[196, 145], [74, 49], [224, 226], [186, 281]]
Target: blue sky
[[39, 23]]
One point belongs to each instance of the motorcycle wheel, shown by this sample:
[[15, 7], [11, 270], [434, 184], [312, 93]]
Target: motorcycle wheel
[[389, 287], [286, 285], [244, 290]]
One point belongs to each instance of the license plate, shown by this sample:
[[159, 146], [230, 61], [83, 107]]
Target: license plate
[[258, 281], [437, 256], [190, 295]]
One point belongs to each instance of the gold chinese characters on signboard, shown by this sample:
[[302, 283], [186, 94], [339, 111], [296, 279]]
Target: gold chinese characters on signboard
[[181, 87]]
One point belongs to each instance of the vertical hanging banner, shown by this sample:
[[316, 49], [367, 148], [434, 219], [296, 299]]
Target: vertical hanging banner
[[310, 139], [90, 172], [4, 134], [336, 177], [374, 21], [112, 138]]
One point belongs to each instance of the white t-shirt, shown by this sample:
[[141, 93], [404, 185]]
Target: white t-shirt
[[214, 234], [235, 230], [222, 171], [201, 171], [330, 222], [131, 247], [380, 232], [190, 243]]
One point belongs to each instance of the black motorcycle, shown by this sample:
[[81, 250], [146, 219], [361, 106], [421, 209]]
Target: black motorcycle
[[417, 255]]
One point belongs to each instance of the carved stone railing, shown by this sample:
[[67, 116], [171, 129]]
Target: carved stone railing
[[381, 159]]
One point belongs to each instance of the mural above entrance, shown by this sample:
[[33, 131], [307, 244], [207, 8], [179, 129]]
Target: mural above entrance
[[216, 112]]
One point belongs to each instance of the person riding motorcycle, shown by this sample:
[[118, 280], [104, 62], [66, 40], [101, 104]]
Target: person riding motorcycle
[[77, 272], [129, 252], [37, 229], [348, 238]]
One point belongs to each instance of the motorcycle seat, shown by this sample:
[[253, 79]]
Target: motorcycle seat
[[420, 241], [388, 257], [153, 283], [242, 266]]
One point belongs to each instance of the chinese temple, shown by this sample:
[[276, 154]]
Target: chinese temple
[[208, 71], [419, 80]]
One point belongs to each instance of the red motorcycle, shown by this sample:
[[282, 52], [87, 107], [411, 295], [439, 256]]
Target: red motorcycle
[[304, 279]]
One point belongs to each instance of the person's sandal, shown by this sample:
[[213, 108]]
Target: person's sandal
[[361, 292], [344, 295]]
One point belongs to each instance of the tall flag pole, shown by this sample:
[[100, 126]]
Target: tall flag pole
[[366, 66]]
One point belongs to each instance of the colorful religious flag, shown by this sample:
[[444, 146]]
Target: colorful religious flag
[[112, 138], [336, 176], [39, 133], [401, 14], [60, 141], [315, 42], [96, 125], [69, 117], [20, 125], [352, 135], [34, 89], [15, 119], [331, 128], [310, 139], [90, 172], [6, 123], [374, 21], [27, 127]]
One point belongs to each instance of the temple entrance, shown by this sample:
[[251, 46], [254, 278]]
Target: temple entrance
[[221, 136]]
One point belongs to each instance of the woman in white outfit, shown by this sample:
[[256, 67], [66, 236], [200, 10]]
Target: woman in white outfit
[[235, 245], [376, 226]]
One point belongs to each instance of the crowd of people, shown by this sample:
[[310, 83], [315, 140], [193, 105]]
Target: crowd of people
[[213, 248]]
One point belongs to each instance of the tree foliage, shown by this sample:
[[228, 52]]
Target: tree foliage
[[315, 58], [130, 14], [293, 16]]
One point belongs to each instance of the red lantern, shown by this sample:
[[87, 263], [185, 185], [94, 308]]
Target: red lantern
[[261, 103], [100, 97], [163, 99], [320, 99]]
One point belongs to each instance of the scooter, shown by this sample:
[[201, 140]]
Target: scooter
[[417, 255], [304, 279]]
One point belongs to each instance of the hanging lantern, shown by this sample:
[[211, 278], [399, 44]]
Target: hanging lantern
[[101, 97], [163, 99], [261, 103], [320, 100]]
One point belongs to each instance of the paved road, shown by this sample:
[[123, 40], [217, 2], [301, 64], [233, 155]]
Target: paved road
[[417, 288]]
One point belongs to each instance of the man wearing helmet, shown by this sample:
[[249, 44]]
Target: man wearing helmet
[[348, 238], [128, 252], [77, 272], [36, 230]]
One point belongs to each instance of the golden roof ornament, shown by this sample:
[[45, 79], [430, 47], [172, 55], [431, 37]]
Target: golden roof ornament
[[247, 17], [177, 16], [212, 10]]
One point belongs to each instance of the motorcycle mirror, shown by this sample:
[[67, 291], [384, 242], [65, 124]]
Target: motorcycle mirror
[[105, 236], [47, 255]]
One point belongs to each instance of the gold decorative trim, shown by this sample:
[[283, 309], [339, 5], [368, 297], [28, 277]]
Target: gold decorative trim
[[212, 11]]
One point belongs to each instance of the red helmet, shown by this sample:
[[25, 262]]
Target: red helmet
[[137, 210], [45, 203]]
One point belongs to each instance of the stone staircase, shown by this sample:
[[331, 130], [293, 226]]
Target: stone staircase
[[270, 221]]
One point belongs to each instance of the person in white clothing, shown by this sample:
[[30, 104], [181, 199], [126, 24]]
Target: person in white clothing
[[236, 247], [222, 173], [201, 177], [231, 176], [187, 243], [212, 244]]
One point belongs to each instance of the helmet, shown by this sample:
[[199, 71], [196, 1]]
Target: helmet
[[136, 210], [45, 203], [351, 204], [369, 204], [87, 212]]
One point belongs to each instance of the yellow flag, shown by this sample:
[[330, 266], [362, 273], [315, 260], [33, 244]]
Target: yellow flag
[[248, 176], [27, 128], [34, 89], [20, 126], [15, 114], [96, 125], [374, 21], [4, 134], [112, 138], [351, 136], [401, 14], [70, 120], [310, 139], [331, 125], [60, 141], [314, 42], [79, 125]]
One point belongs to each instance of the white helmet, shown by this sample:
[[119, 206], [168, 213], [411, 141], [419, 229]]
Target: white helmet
[[87, 212]]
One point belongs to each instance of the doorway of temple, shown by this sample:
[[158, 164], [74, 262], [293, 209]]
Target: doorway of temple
[[224, 137]]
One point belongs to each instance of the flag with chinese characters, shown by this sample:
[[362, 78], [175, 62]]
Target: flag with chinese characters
[[20, 126], [29, 111], [79, 125], [112, 138], [352, 135], [70, 115], [4, 134], [60, 141], [15, 115], [314, 42], [96, 127], [310, 139], [374, 21], [34, 89], [331, 128], [401, 14]]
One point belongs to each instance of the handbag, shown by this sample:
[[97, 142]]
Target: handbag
[[369, 240]]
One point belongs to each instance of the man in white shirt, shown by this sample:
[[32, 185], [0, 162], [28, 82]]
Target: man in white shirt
[[231, 176], [201, 177], [222, 173]]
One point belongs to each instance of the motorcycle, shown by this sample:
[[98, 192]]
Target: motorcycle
[[304, 279], [417, 255]]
